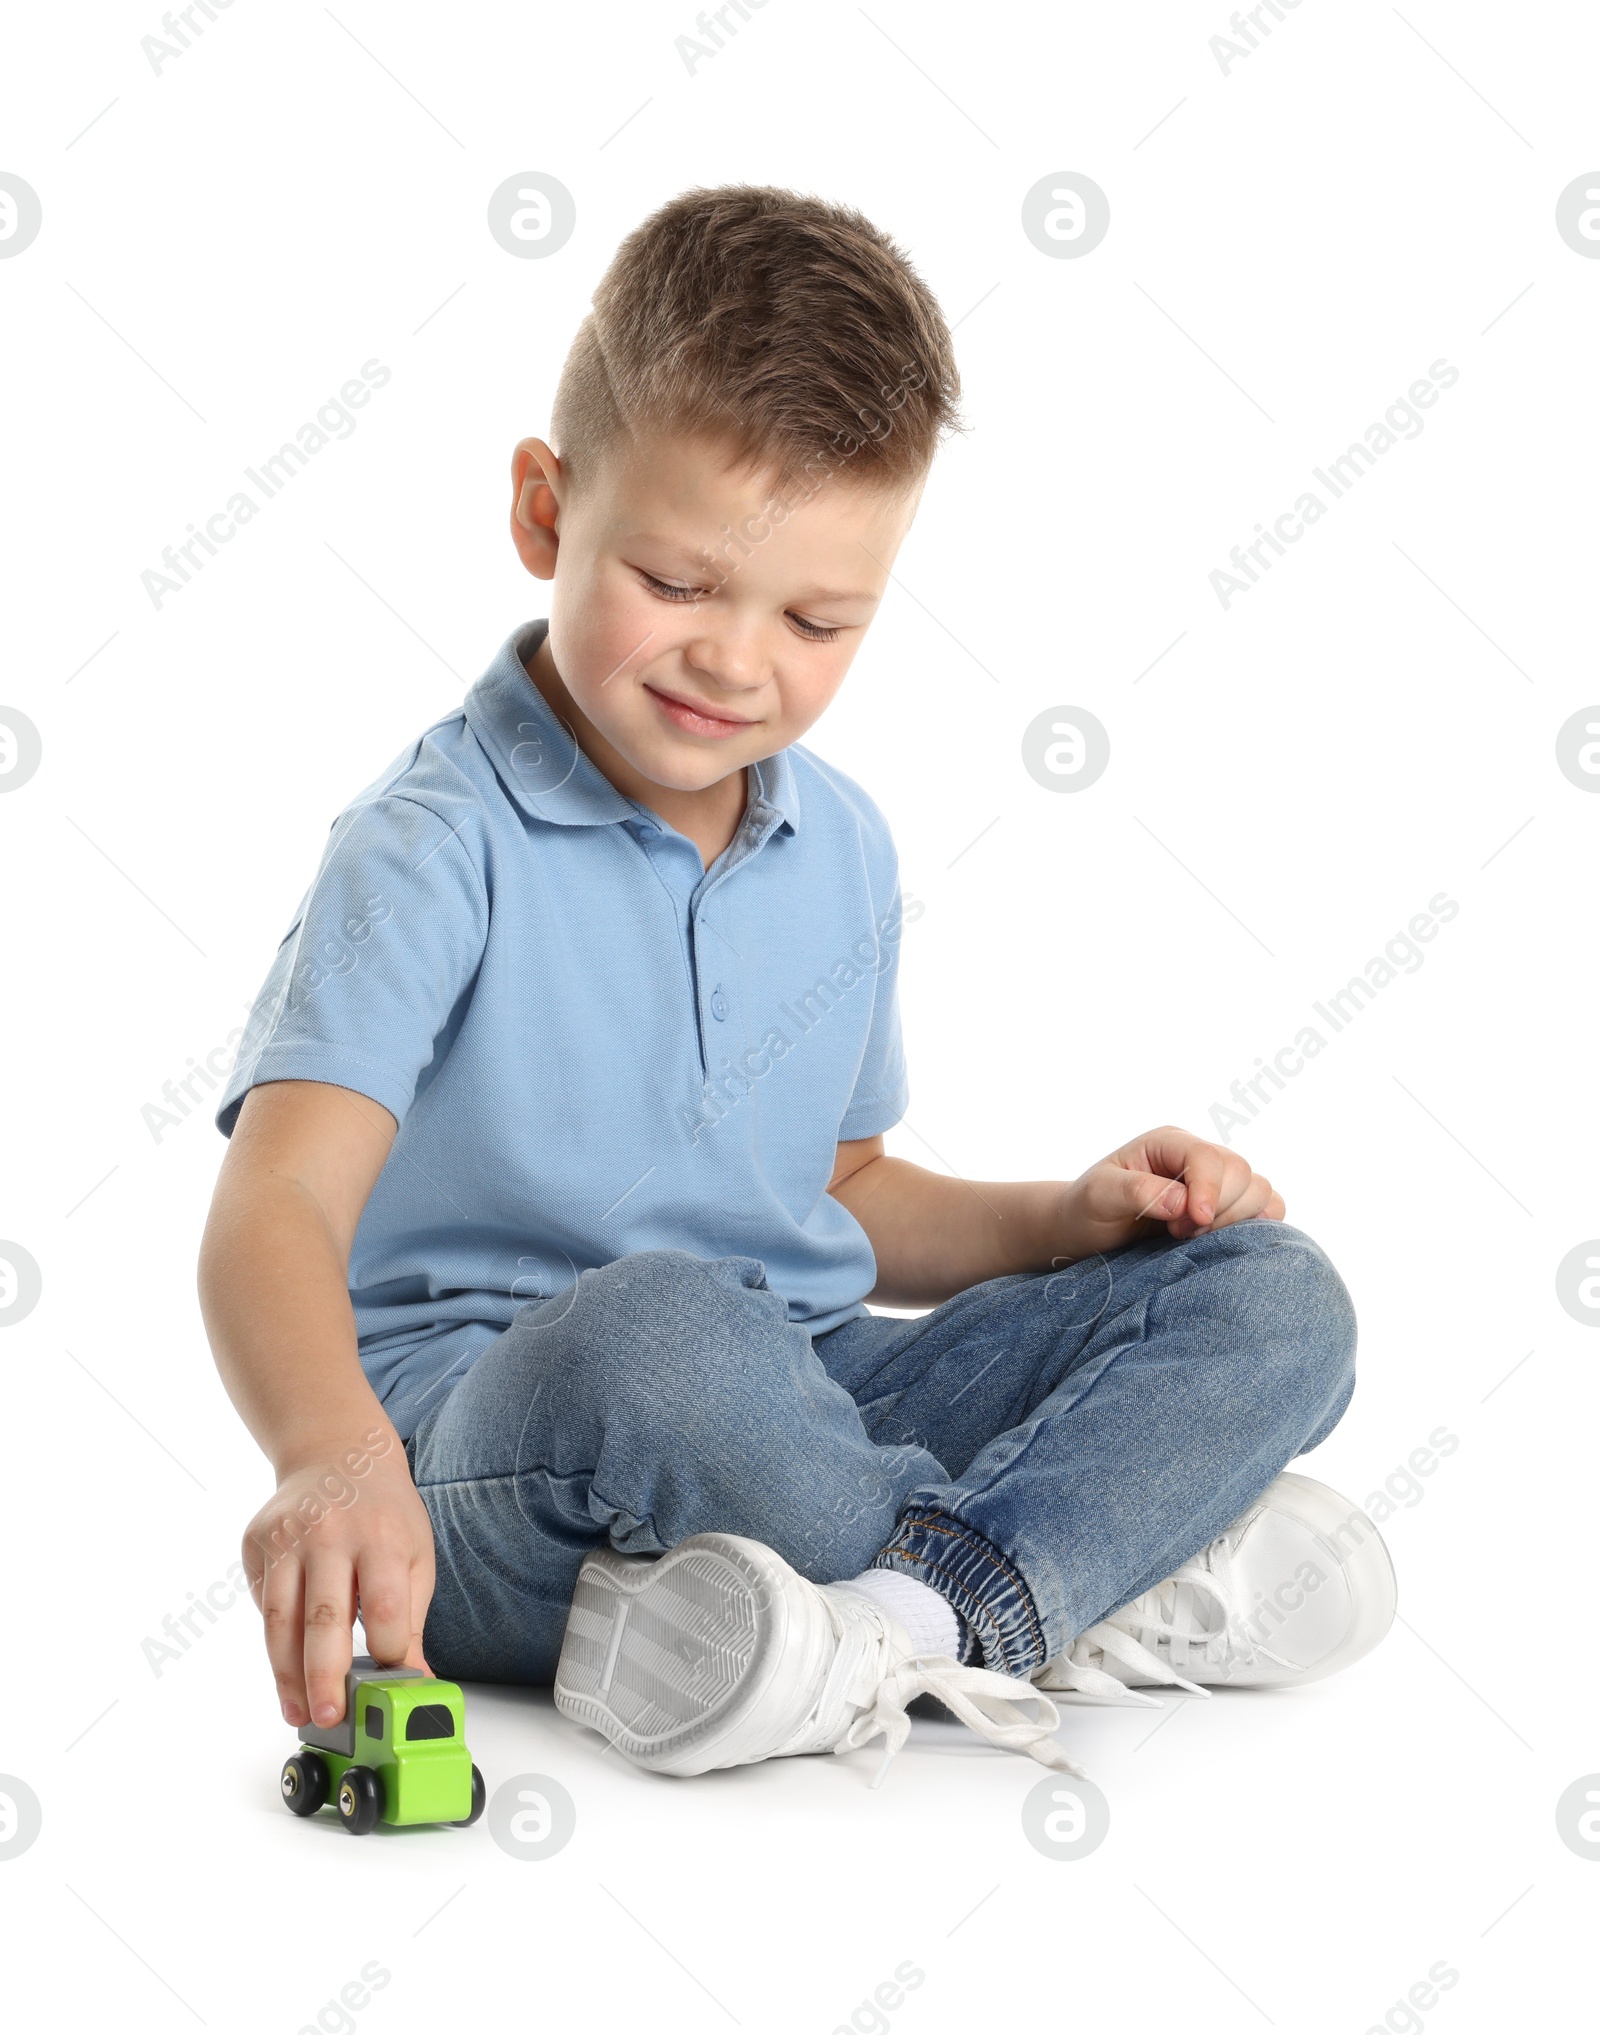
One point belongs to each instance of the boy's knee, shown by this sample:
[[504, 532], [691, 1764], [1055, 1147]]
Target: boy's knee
[[680, 1368], [1309, 1305], [688, 1351], [1306, 1279], [660, 1322], [676, 1301]]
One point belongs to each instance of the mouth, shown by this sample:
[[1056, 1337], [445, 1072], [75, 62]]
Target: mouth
[[693, 718]]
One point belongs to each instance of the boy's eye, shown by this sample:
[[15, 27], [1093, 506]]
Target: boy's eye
[[667, 589], [671, 590]]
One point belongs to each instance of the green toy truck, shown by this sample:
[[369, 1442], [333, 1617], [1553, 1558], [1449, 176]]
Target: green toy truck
[[396, 1756]]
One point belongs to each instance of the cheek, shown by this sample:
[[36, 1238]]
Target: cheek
[[608, 635], [810, 684], [805, 690]]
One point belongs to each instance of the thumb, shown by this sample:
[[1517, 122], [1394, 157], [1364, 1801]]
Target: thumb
[[1148, 1194], [421, 1594]]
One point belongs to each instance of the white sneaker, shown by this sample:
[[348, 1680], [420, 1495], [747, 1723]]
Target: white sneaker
[[717, 1653], [1298, 1587]]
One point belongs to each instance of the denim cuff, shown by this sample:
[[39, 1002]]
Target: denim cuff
[[976, 1578]]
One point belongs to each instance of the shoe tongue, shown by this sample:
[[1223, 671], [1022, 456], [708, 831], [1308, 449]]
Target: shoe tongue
[[867, 1642], [865, 1625]]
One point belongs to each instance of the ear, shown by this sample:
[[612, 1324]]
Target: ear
[[537, 486]]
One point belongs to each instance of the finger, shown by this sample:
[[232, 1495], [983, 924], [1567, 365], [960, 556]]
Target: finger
[[1236, 1184], [424, 1576], [383, 1583], [1181, 1156], [1148, 1195], [1204, 1169], [280, 1602], [1253, 1199], [253, 1554], [421, 1597], [422, 1585], [330, 1608]]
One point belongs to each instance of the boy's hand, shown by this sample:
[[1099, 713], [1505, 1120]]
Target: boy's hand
[[1168, 1176], [321, 1542]]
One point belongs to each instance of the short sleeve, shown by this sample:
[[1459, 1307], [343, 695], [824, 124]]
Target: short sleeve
[[881, 1092], [388, 937]]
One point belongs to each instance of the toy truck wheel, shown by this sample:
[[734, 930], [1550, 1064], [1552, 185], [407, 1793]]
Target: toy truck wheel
[[359, 1800], [478, 1799], [304, 1783]]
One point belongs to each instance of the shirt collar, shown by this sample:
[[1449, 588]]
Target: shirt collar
[[545, 771]]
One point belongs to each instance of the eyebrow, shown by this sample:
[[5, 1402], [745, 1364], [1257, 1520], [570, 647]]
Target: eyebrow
[[688, 556]]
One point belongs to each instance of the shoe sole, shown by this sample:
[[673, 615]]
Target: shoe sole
[[702, 1657]]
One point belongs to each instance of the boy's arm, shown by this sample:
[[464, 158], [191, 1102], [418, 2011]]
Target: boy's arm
[[346, 1518], [934, 1235]]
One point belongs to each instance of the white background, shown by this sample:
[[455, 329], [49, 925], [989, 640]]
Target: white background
[[1291, 779]]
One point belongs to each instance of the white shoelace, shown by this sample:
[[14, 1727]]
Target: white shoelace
[[1164, 1630], [874, 1676]]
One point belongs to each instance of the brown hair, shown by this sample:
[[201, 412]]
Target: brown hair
[[791, 327]]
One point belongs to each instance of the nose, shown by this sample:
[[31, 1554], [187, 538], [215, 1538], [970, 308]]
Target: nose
[[728, 659]]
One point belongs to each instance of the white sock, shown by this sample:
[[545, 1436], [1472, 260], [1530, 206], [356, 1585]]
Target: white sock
[[928, 1618]]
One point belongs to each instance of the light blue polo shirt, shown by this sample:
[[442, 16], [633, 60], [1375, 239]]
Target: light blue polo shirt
[[591, 1044]]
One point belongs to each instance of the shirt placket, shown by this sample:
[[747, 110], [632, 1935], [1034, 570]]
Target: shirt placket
[[715, 963]]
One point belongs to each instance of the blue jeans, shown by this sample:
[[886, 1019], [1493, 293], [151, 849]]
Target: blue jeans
[[1041, 1448]]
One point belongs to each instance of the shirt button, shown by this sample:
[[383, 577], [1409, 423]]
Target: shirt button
[[719, 1004]]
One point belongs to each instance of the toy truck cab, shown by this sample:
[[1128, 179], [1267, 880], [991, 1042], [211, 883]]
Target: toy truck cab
[[396, 1756]]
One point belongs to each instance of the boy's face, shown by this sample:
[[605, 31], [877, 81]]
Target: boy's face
[[676, 581]]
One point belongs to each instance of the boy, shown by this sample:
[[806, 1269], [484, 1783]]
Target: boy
[[556, 1185]]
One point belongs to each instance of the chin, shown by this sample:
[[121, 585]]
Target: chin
[[684, 773]]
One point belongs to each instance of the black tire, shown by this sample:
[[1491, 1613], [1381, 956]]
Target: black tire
[[479, 1797], [359, 1800], [304, 1782]]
